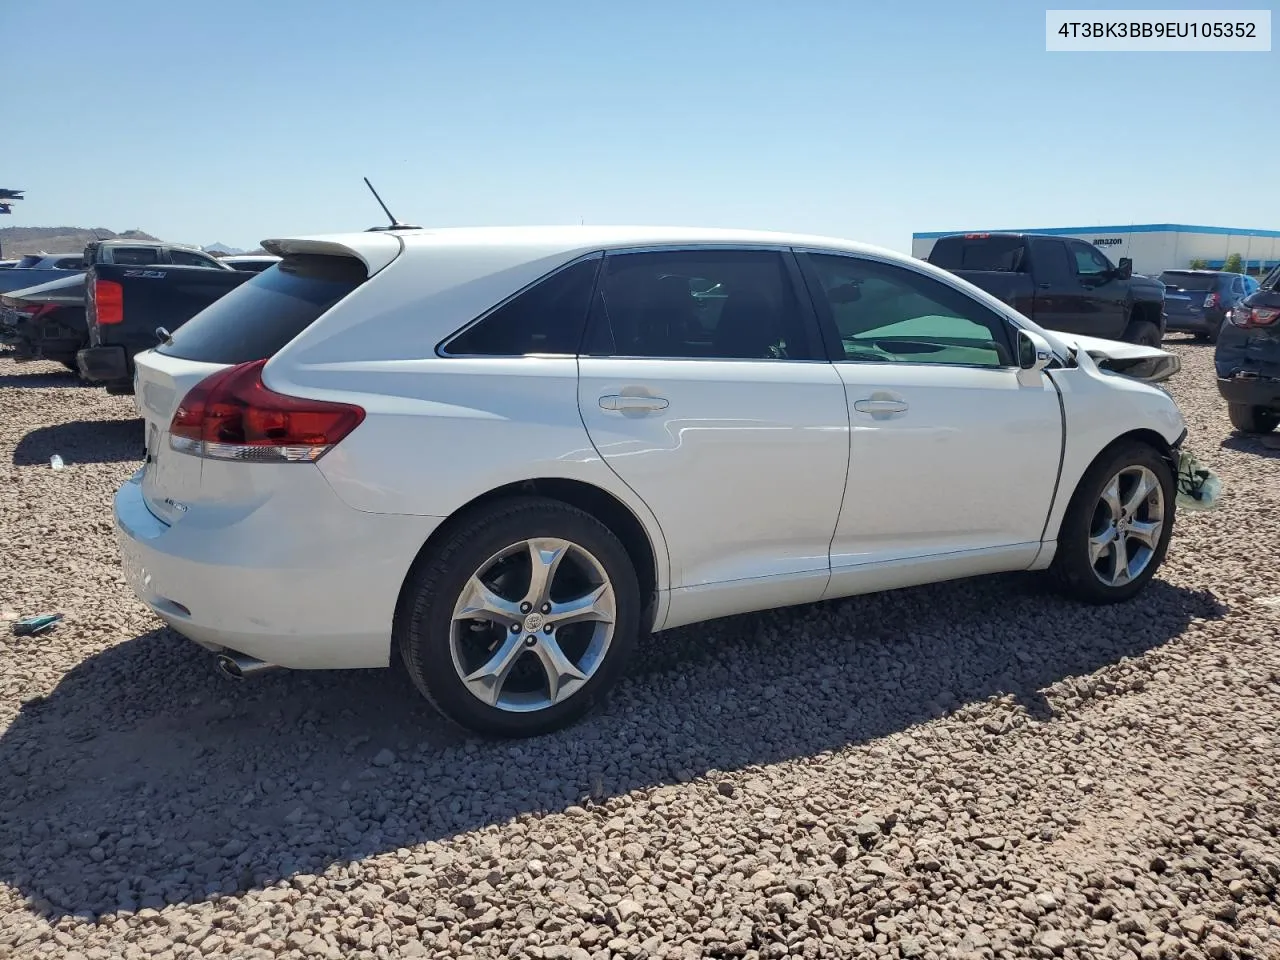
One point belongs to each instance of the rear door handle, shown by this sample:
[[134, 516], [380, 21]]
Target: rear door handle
[[1044, 286], [880, 406], [640, 404]]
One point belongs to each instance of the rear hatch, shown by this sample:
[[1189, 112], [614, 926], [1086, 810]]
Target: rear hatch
[[252, 322], [1185, 292]]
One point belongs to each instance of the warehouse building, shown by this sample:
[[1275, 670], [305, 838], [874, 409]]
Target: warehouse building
[[1154, 247]]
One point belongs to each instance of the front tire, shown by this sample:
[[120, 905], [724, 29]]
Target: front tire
[[520, 619], [1250, 419], [1117, 527]]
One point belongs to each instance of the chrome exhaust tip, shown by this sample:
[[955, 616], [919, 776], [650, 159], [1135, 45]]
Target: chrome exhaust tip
[[237, 666]]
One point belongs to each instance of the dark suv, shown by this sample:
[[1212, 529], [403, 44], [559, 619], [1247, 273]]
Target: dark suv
[[1197, 301], [1248, 359]]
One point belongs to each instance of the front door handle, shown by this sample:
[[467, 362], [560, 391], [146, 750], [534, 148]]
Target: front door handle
[[639, 404], [880, 406]]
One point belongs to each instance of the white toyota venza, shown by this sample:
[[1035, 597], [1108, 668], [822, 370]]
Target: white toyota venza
[[503, 455]]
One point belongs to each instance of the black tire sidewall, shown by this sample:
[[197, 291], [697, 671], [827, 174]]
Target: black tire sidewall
[[1250, 419], [1145, 333], [424, 635], [1071, 562]]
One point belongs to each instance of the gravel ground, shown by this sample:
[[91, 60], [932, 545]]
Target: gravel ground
[[976, 769]]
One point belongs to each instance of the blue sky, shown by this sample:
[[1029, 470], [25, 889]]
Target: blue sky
[[233, 121]]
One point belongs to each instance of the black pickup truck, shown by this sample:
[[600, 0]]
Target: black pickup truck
[[126, 306], [46, 320], [1059, 282]]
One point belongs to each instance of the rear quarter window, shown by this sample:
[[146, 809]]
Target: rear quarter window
[[545, 318], [255, 320]]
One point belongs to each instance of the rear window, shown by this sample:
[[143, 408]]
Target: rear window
[[999, 254], [135, 256], [1188, 281], [256, 319]]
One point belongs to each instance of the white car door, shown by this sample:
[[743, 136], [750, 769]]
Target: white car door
[[953, 459], [703, 386]]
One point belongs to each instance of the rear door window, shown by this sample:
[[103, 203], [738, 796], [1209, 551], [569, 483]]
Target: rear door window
[[256, 319], [1049, 261], [698, 304]]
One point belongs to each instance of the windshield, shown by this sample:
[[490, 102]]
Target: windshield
[[1194, 282], [30, 260]]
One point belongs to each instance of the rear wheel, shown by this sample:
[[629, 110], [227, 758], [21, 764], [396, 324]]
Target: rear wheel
[[518, 622], [1117, 526], [1249, 419]]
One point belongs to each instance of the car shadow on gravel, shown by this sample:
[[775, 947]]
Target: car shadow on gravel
[[82, 441], [144, 778], [43, 379], [1261, 445]]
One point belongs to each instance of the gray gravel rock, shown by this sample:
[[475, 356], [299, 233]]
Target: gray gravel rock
[[972, 769]]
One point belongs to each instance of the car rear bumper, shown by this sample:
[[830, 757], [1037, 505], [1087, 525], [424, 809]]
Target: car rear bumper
[[308, 585], [1194, 322], [1251, 391]]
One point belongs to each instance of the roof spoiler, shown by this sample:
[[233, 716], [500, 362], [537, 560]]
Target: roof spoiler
[[374, 250]]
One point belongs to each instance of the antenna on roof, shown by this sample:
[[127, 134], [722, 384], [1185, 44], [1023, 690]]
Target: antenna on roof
[[395, 224]]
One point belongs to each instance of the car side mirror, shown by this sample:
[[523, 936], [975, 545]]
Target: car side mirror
[[1125, 270], [1034, 352]]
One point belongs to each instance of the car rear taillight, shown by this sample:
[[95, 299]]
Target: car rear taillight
[[232, 415], [1255, 317], [108, 299], [1211, 301]]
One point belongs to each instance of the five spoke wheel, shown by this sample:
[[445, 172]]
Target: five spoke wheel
[[1125, 531], [533, 624]]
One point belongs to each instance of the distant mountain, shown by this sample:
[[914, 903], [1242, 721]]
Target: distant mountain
[[223, 249], [19, 241]]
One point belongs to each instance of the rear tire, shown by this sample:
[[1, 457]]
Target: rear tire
[[1105, 525], [1248, 419], [1144, 333], [535, 658]]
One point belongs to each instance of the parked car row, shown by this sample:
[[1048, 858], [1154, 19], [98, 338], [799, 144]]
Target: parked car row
[[43, 314], [1247, 358]]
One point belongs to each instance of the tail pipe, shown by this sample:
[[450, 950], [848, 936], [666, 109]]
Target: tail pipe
[[237, 666]]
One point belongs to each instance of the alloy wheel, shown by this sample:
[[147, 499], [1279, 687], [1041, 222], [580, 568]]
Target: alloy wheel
[[1126, 524], [532, 625]]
